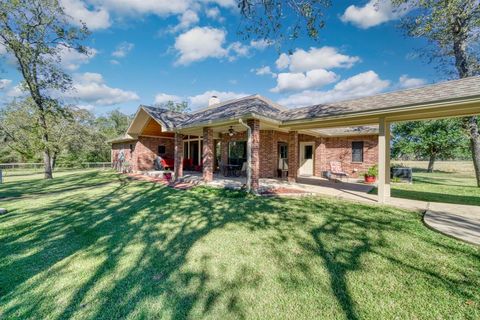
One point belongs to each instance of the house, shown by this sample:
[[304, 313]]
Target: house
[[302, 141]]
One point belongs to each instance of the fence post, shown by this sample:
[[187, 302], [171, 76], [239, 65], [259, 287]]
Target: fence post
[[1, 176]]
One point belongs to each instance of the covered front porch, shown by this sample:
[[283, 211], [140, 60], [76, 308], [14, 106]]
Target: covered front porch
[[354, 189]]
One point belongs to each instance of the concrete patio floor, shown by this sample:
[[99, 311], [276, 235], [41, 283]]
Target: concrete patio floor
[[458, 221]]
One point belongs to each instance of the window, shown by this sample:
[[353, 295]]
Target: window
[[282, 156], [131, 148], [308, 152], [357, 151], [161, 150], [237, 152]]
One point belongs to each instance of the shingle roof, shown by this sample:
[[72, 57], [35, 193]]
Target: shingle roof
[[170, 119], [462, 88], [236, 109], [260, 106]]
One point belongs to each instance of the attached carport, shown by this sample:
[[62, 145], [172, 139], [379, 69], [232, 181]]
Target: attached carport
[[457, 98]]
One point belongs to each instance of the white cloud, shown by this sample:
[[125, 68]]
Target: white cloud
[[115, 62], [262, 71], [261, 44], [97, 18], [16, 91], [283, 61], [302, 81], [406, 82], [315, 58], [157, 7], [201, 100], [71, 59], [214, 13], [164, 97], [123, 49], [360, 85], [4, 83], [90, 88], [199, 44], [239, 50], [186, 20], [375, 12]]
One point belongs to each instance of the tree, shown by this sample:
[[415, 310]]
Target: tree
[[175, 106], [452, 29], [73, 135], [282, 19], [35, 32], [432, 140]]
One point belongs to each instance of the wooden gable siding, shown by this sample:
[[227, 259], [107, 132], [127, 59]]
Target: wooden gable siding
[[152, 128]]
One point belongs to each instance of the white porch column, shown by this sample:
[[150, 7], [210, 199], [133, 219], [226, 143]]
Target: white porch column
[[383, 160]]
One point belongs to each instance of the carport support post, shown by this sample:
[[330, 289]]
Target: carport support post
[[383, 160], [178, 156], [207, 161]]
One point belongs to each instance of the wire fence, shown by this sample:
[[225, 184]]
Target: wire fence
[[17, 169]]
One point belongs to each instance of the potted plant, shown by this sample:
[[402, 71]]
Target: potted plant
[[167, 175], [371, 174]]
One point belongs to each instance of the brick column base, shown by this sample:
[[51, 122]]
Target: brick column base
[[255, 128], [178, 156], [293, 154], [208, 149]]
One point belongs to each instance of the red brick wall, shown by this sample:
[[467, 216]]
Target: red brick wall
[[125, 146], [145, 150], [340, 149]]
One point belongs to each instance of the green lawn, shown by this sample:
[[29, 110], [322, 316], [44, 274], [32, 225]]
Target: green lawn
[[92, 245], [458, 187]]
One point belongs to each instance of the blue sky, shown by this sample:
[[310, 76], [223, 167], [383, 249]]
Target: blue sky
[[151, 51]]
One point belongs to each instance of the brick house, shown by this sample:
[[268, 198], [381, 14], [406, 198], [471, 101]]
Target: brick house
[[213, 136], [302, 141]]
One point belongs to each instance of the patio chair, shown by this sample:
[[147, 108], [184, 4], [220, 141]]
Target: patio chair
[[336, 170]]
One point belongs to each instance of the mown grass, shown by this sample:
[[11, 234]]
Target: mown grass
[[452, 182], [93, 245]]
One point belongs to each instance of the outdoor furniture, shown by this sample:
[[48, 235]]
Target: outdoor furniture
[[282, 173], [232, 170], [401, 173], [187, 164], [167, 163], [336, 169]]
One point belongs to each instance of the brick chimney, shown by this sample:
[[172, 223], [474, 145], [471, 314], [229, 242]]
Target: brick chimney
[[213, 100]]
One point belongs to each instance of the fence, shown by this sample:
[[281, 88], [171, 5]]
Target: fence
[[13, 169]]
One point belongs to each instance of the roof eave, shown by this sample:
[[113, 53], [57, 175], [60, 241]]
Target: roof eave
[[385, 111]]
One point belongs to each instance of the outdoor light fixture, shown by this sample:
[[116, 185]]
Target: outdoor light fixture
[[231, 132]]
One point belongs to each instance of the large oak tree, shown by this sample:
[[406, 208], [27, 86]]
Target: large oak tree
[[34, 33]]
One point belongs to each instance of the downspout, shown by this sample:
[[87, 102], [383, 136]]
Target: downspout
[[249, 155]]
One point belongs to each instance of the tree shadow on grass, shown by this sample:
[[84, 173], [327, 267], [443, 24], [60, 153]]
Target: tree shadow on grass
[[137, 238]]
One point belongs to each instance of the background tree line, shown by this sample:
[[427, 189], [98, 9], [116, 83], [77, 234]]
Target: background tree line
[[76, 135]]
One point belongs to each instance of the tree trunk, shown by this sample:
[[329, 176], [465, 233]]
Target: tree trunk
[[475, 145], [471, 123], [47, 160], [54, 160], [431, 162]]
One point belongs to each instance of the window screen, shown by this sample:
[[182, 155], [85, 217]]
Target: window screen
[[357, 151]]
